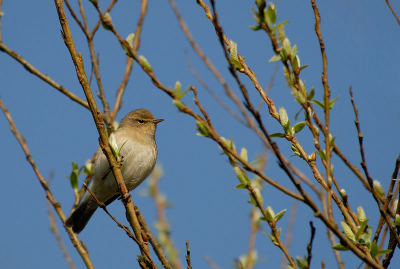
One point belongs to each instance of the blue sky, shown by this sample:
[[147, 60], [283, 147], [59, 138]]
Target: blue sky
[[361, 39]]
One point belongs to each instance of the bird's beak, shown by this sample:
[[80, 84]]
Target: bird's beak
[[158, 121]]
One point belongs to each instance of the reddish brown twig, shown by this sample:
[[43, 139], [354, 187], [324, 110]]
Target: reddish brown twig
[[56, 205]]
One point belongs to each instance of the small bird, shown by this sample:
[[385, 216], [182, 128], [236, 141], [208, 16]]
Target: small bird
[[135, 138]]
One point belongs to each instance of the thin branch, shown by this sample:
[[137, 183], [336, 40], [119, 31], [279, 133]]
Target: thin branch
[[75, 17], [392, 242], [1, 1], [370, 181], [309, 246], [78, 62], [129, 60], [43, 77], [289, 233], [327, 95], [96, 27], [56, 205], [211, 263], [54, 229], [189, 265], [164, 230], [213, 95], [156, 246], [394, 13], [123, 227]]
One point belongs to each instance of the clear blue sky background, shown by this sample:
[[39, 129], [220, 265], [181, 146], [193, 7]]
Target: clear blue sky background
[[362, 43]]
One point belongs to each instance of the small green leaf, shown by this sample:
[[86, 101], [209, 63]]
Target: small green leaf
[[332, 102], [243, 154], [178, 104], [203, 129], [234, 55], [270, 16], [361, 230], [252, 200], [286, 46], [384, 251], [255, 27], [374, 249], [322, 154], [270, 214], [88, 170], [258, 195], [241, 176], [281, 24], [303, 67], [318, 103], [365, 238], [280, 135], [114, 147], [241, 186], [299, 126], [280, 215], [340, 247], [143, 61], [277, 57], [297, 114], [273, 239], [293, 54], [296, 62]]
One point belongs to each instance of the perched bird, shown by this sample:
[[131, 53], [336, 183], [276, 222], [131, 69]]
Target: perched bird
[[135, 140]]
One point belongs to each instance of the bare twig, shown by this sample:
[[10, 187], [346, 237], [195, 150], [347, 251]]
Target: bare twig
[[78, 62], [394, 13], [370, 181], [1, 1], [54, 229], [129, 60], [164, 230], [56, 205], [289, 233], [156, 246], [210, 262], [189, 265], [309, 246], [43, 77], [126, 229]]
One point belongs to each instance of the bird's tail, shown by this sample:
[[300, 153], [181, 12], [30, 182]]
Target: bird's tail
[[81, 215]]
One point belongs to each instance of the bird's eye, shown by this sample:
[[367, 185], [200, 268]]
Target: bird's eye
[[141, 121]]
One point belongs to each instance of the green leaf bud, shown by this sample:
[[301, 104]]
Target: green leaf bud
[[280, 215], [203, 129], [378, 188], [283, 117], [178, 104], [130, 39], [241, 176], [348, 232], [361, 214], [299, 126], [243, 154], [143, 61], [114, 147], [107, 23], [270, 214], [397, 220]]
